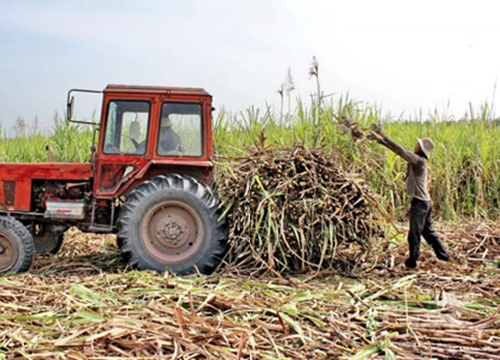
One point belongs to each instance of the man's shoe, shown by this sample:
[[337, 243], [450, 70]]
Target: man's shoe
[[410, 263], [440, 252], [444, 257]]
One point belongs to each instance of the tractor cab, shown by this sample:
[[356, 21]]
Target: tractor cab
[[150, 129]]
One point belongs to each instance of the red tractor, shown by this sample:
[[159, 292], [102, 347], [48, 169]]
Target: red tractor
[[148, 181]]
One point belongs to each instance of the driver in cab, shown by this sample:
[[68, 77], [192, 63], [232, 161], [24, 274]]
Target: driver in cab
[[169, 141]]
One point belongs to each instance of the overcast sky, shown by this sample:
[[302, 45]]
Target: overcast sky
[[402, 56]]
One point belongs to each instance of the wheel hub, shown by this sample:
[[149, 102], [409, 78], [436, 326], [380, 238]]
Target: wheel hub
[[171, 234], [8, 253], [171, 231]]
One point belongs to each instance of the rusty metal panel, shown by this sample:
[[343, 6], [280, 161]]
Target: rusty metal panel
[[23, 174], [23, 195], [9, 192], [111, 175], [49, 171]]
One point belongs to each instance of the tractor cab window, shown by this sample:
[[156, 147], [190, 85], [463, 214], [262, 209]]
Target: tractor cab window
[[126, 127], [180, 131]]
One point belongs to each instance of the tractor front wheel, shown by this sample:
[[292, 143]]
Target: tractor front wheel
[[16, 246], [47, 239], [172, 222]]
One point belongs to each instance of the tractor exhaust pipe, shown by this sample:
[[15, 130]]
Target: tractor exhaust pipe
[[51, 153]]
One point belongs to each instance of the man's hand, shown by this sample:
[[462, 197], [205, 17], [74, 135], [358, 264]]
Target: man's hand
[[376, 129]]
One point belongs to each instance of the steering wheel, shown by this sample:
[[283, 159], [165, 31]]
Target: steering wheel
[[140, 148]]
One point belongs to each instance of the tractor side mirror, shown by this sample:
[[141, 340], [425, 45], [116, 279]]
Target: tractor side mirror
[[70, 107]]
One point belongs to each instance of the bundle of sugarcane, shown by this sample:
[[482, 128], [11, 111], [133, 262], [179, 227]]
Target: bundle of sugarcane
[[294, 210]]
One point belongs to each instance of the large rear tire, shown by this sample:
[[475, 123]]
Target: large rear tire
[[175, 223], [16, 246]]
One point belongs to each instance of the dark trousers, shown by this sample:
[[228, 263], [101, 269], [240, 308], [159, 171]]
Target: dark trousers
[[421, 225]]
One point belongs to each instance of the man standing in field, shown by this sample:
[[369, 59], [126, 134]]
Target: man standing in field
[[416, 187]]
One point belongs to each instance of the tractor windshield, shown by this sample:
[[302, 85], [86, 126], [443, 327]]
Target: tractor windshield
[[126, 127], [180, 130]]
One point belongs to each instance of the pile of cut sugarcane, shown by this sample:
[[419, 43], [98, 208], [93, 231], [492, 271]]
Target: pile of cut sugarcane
[[294, 210]]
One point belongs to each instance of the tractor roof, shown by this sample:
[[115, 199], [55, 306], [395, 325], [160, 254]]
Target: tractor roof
[[156, 90]]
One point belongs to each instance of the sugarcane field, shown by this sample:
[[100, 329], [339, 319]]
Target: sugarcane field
[[315, 265], [317, 260]]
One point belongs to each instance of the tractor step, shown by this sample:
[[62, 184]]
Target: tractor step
[[100, 229]]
